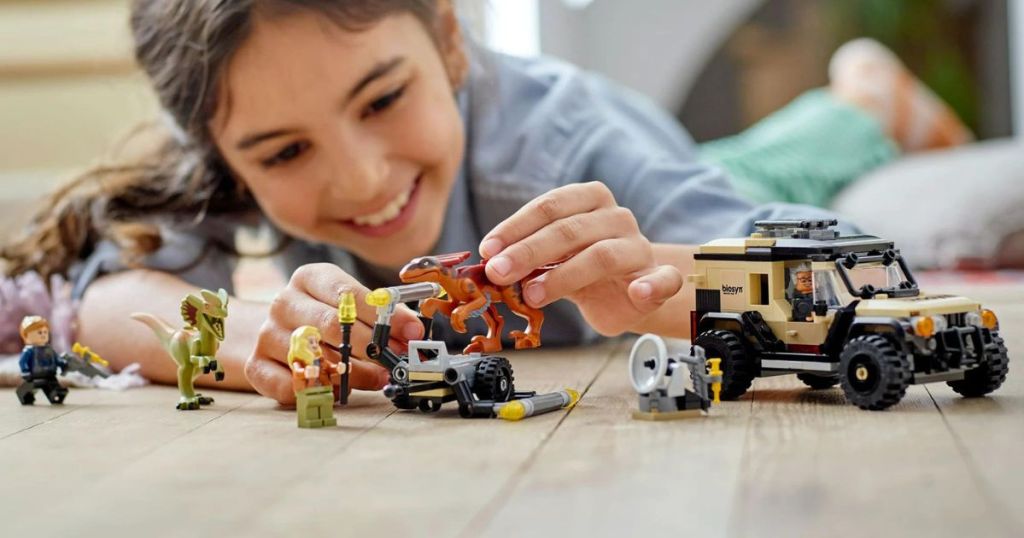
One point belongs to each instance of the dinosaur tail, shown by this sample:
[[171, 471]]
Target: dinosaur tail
[[160, 328]]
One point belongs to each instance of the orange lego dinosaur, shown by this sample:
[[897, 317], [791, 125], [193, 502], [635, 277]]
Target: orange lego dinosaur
[[472, 294]]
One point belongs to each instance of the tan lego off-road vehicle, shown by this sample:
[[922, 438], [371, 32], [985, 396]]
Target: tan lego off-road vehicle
[[796, 297]]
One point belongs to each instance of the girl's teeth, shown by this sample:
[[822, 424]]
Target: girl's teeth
[[388, 213]]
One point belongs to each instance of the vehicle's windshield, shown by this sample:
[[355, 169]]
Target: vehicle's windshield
[[888, 275], [878, 275]]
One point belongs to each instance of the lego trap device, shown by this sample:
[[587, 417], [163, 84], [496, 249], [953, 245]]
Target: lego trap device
[[428, 376], [660, 380]]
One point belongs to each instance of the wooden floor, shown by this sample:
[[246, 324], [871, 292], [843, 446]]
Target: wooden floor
[[783, 461]]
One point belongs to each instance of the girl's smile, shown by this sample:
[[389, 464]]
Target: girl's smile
[[391, 218]]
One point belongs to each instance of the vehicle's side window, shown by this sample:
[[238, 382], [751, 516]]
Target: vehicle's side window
[[758, 288]]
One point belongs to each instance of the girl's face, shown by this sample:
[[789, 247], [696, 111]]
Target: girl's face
[[347, 138]]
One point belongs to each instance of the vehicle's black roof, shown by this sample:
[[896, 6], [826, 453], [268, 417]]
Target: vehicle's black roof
[[807, 249]]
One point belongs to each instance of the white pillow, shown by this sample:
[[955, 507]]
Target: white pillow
[[943, 209]]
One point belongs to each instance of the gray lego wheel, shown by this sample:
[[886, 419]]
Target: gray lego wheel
[[817, 381], [873, 373], [987, 377], [494, 380], [737, 367]]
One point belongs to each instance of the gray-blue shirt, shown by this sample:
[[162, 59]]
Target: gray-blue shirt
[[532, 124]]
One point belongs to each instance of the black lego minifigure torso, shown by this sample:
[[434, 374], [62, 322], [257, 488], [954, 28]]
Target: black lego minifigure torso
[[41, 361]]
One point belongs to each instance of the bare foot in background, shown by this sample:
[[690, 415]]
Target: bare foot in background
[[1011, 252], [867, 74]]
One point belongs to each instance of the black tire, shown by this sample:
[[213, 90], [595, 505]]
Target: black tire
[[987, 377], [737, 367], [494, 380], [429, 406], [818, 382], [874, 374], [404, 402]]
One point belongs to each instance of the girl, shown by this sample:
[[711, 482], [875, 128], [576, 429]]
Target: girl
[[366, 133]]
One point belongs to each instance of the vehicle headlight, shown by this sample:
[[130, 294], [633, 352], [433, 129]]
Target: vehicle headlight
[[973, 319], [989, 319], [924, 326]]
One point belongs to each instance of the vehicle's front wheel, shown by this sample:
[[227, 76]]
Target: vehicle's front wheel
[[818, 382], [737, 367], [987, 377], [874, 374]]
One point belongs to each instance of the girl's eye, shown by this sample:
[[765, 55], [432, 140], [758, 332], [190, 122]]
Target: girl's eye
[[383, 103], [291, 151]]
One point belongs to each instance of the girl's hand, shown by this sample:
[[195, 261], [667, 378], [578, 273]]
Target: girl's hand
[[611, 275], [311, 298]]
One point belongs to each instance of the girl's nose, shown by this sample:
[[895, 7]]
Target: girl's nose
[[358, 172]]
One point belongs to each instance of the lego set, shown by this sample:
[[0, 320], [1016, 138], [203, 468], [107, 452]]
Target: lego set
[[40, 363], [798, 297], [793, 297]]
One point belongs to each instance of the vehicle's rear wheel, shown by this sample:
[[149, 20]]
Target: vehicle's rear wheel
[[987, 377], [737, 367], [494, 380], [874, 374], [818, 381]]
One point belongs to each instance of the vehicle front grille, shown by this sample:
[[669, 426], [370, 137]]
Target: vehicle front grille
[[956, 320]]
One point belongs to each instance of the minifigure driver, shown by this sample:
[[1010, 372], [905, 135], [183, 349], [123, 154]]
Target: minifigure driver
[[802, 292], [39, 363]]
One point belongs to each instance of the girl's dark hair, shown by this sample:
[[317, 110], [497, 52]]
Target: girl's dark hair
[[170, 171]]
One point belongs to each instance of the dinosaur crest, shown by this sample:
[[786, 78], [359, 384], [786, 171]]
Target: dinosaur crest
[[206, 312]]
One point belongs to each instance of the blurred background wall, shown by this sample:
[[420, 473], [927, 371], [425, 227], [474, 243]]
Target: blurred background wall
[[68, 87]]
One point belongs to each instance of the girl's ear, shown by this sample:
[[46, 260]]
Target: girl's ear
[[451, 44]]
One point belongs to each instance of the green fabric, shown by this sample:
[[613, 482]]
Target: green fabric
[[805, 153]]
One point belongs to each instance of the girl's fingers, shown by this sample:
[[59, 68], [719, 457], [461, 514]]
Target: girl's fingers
[[650, 291], [559, 240], [272, 379], [324, 282], [543, 210], [618, 256]]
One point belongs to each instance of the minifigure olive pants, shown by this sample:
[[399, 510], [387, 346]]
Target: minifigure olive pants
[[805, 153], [315, 407]]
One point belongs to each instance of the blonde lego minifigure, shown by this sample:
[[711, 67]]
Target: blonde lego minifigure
[[313, 379]]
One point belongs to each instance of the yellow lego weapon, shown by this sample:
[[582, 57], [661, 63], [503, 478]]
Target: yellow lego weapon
[[715, 371], [87, 354], [80, 358]]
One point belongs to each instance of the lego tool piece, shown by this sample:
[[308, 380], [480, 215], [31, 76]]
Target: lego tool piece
[[536, 405], [346, 317]]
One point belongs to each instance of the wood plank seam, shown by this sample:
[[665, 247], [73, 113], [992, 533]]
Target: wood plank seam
[[1005, 519], [482, 519]]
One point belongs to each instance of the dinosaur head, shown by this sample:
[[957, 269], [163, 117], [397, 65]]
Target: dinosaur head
[[432, 268], [206, 312], [422, 269]]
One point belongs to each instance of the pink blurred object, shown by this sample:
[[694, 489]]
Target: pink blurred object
[[27, 294]]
